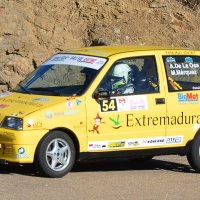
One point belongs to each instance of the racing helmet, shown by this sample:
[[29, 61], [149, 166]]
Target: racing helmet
[[122, 70]]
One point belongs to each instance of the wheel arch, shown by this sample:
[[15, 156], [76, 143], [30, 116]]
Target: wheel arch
[[189, 143], [71, 134], [197, 133]]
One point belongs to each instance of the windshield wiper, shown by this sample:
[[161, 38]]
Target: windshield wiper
[[23, 88], [45, 90]]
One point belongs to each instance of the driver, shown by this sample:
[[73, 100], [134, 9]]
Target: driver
[[120, 81]]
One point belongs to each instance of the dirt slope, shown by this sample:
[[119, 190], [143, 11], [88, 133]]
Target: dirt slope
[[33, 30]]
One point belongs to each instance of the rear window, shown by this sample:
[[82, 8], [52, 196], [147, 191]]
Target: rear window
[[183, 72]]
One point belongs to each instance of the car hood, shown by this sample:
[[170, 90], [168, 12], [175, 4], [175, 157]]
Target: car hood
[[20, 105]]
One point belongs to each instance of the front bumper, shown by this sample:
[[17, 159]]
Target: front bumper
[[19, 146], [4, 162]]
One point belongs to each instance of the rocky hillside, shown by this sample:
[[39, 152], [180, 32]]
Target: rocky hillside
[[33, 30]]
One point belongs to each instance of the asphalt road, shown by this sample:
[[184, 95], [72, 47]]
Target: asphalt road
[[164, 177]]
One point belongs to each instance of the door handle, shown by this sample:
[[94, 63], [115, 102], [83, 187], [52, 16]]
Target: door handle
[[160, 101]]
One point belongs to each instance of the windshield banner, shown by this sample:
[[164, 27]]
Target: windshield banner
[[78, 60]]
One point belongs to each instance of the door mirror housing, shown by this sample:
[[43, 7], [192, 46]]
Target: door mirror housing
[[102, 95]]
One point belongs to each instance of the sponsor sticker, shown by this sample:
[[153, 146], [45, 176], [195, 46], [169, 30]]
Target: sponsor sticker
[[196, 87], [79, 126], [67, 112], [188, 97], [145, 142], [49, 114], [138, 102], [153, 141], [21, 152], [78, 60], [3, 106], [41, 99], [97, 145], [7, 135], [21, 156], [78, 102], [21, 102], [116, 144], [4, 94], [170, 59], [174, 140], [69, 104], [188, 59], [136, 142], [122, 103], [116, 122], [132, 143], [37, 124]]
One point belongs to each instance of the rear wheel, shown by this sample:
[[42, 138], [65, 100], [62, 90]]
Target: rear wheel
[[55, 154], [194, 156]]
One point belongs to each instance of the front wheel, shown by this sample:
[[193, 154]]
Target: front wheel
[[194, 156], [55, 154]]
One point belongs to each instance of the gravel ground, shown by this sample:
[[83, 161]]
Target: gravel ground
[[164, 177]]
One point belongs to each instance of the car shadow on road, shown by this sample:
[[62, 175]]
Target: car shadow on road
[[27, 169], [126, 164], [105, 165]]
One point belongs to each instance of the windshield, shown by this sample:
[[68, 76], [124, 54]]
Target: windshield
[[62, 75]]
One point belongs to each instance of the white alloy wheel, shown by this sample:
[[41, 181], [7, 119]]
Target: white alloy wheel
[[58, 154]]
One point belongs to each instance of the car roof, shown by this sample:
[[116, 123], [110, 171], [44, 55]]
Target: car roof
[[106, 51]]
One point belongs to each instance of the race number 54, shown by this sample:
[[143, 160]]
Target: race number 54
[[108, 105]]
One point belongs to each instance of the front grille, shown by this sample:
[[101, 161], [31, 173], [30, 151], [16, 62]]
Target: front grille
[[9, 150], [6, 150]]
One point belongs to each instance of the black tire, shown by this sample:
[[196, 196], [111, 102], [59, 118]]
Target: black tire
[[194, 155], [142, 159], [190, 160], [55, 154]]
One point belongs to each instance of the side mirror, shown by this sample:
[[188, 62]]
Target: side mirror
[[102, 95]]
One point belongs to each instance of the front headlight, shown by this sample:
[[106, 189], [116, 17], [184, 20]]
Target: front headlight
[[12, 123]]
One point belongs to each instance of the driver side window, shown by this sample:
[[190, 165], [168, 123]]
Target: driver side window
[[131, 76]]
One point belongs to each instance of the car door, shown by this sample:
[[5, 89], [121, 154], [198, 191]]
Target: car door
[[182, 78], [132, 119]]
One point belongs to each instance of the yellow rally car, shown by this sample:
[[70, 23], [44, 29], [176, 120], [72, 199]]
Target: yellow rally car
[[100, 102]]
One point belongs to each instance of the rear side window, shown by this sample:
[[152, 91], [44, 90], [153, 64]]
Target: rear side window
[[183, 72]]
